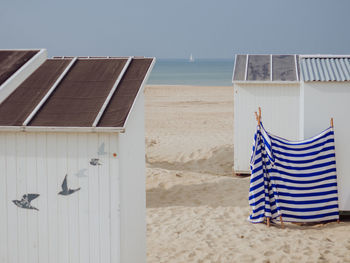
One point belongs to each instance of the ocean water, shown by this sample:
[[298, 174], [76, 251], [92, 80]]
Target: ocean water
[[201, 72]]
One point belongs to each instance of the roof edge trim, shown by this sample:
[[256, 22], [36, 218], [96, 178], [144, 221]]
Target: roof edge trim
[[296, 67], [111, 92], [140, 90], [22, 74], [266, 82], [246, 68], [61, 129], [47, 95], [234, 69], [324, 56]]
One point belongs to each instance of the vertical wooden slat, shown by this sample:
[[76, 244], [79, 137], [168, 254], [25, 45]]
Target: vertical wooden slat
[[3, 201], [82, 227], [52, 190], [93, 201], [29, 157], [21, 190], [11, 172], [62, 201], [114, 199], [73, 201], [103, 139], [83, 195], [42, 180]]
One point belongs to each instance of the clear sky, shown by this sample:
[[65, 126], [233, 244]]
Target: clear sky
[[174, 29]]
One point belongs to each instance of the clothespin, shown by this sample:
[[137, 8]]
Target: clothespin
[[258, 117], [332, 122]]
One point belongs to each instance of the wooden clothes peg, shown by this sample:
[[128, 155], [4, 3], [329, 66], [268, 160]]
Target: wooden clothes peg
[[332, 123], [258, 117]]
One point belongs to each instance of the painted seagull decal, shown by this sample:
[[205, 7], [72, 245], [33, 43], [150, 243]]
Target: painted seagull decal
[[25, 202], [101, 149], [95, 161], [65, 189]]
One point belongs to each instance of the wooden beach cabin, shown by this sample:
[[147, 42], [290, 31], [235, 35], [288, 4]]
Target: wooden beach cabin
[[325, 93], [272, 83], [72, 157]]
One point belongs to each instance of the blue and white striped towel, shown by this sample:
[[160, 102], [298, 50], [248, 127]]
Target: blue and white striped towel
[[295, 180]]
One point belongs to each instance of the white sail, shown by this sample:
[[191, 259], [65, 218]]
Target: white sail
[[191, 58]]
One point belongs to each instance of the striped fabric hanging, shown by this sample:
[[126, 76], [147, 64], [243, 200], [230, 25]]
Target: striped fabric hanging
[[294, 180]]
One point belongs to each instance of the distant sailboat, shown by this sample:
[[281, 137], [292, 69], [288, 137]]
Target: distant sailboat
[[191, 58]]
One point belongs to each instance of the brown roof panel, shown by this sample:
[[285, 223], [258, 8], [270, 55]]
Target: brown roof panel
[[79, 97], [123, 98], [17, 107], [12, 60]]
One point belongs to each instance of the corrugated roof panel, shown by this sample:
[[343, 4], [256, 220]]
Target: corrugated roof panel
[[343, 69], [12, 60], [325, 68], [347, 66], [79, 97], [240, 65]]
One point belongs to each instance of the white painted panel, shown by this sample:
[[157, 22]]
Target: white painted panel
[[83, 178], [114, 188], [42, 181], [104, 197], [52, 185], [3, 201], [11, 171], [94, 227], [23, 214], [73, 199], [132, 186], [280, 115], [321, 102], [81, 227], [62, 202], [30, 158]]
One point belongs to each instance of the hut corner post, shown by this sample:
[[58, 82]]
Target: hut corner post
[[258, 119], [332, 126]]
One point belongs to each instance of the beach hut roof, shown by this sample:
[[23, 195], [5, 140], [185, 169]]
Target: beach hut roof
[[325, 67], [79, 93], [266, 68]]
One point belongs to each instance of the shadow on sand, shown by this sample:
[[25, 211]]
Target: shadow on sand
[[224, 193], [218, 161]]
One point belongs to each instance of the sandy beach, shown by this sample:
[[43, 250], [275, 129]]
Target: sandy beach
[[196, 207]]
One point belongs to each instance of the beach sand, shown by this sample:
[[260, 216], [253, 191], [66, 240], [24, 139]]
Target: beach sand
[[196, 208]]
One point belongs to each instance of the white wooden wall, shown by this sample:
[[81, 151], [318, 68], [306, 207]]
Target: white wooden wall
[[280, 115], [82, 227], [133, 186], [321, 101]]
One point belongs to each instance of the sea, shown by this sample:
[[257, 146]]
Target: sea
[[201, 72]]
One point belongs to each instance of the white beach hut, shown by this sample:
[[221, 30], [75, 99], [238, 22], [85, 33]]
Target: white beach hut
[[325, 93], [272, 83], [72, 186]]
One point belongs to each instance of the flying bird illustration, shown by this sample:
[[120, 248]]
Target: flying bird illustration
[[101, 149], [65, 189], [82, 173], [95, 161], [25, 201]]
